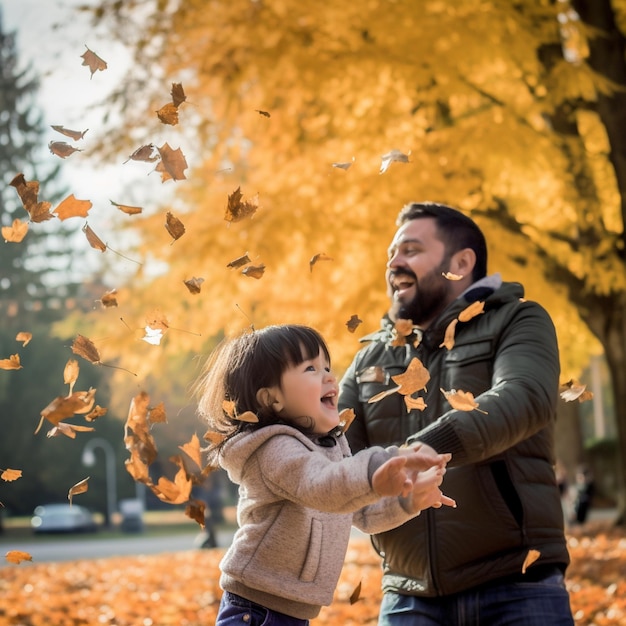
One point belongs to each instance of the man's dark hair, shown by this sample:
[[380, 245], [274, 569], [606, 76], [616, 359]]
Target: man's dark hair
[[456, 230]]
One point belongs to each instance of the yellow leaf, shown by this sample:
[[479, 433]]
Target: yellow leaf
[[12, 363], [531, 557], [17, 556], [461, 400], [16, 232], [9, 475], [24, 337], [474, 309], [413, 378], [448, 340]]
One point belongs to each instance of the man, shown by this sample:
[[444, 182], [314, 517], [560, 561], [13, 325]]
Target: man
[[473, 564]]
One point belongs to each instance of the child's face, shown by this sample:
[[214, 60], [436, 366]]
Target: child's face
[[309, 390]]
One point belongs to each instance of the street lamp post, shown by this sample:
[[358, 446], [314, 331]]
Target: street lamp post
[[89, 459]]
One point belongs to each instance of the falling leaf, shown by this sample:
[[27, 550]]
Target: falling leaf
[[196, 510], [168, 114], [157, 415], [239, 261], [413, 378], [94, 62], [263, 113], [16, 232], [71, 207], [383, 394], [145, 153], [12, 363], [353, 323], [192, 450], [70, 374], [344, 166], [474, 309], [319, 257], [62, 149], [79, 487], [9, 475], [356, 594], [65, 407], [346, 417], [129, 210], [95, 413], [178, 94], [156, 319], [573, 390], [448, 339], [68, 430], [228, 406], [531, 557], [194, 284], [247, 416], [153, 336], [93, 239], [390, 157], [109, 299], [213, 437], [451, 276], [173, 163], [237, 210], [414, 403], [461, 400], [174, 226], [24, 337], [73, 134], [254, 271], [17, 556], [82, 346], [28, 192]]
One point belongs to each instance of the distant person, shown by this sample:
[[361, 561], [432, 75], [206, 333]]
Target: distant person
[[272, 397], [583, 494], [466, 566]]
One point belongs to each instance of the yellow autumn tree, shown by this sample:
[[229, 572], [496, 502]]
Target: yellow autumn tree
[[496, 108]]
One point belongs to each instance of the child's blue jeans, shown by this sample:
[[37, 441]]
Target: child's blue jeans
[[237, 611]]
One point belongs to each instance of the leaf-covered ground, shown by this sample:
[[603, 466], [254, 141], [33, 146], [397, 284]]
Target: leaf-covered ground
[[181, 588]]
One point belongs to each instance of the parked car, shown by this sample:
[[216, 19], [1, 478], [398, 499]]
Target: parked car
[[62, 518]]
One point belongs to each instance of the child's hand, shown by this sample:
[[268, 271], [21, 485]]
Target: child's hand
[[422, 457], [425, 492], [391, 479]]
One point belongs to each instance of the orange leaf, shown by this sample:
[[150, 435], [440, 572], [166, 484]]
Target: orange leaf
[[93, 239], [248, 417], [71, 207], [461, 400], [73, 134], [156, 319], [157, 415], [531, 557], [24, 337], [448, 339], [196, 510], [237, 210], [62, 149], [70, 373], [254, 271], [451, 276], [413, 378], [12, 363], [86, 348], [474, 309], [94, 62], [109, 299], [16, 232], [17, 556], [9, 475], [129, 210], [383, 394], [63, 407], [168, 114], [97, 412], [69, 430], [319, 257], [192, 450], [173, 163], [80, 487], [174, 226], [414, 403], [353, 323], [214, 438], [194, 285]]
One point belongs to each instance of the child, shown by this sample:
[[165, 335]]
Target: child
[[271, 396]]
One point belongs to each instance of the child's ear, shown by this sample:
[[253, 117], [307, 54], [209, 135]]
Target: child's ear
[[266, 397]]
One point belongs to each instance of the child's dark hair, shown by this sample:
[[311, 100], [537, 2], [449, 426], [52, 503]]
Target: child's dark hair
[[239, 367]]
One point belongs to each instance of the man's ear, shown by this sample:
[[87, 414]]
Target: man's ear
[[267, 397], [462, 262]]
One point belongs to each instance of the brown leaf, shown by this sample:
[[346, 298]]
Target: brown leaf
[[40, 212], [413, 378], [356, 594], [263, 113], [73, 134], [64, 407], [319, 257], [173, 163], [145, 153], [157, 415], [70, 374], [254, 271], [69, 430], [346, 417], [196, 510], [168, 114], [237, 209], [16, 232], [474, 309], [71, 207], [129, 210], [28, 192], [12, 363], [95, 413], [574, 390], [353, 323], [174, 226], [62, 149], [178, 94], [17, 556], [93, 239], [9, 475], [86, 348], [194, 284], [24, 337], [239, 262], [80, 487], [94, 62], [461, 400], [448, 339], [531, 557], [109, 299]]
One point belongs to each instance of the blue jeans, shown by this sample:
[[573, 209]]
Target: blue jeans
[[541, 603], [237, 611]]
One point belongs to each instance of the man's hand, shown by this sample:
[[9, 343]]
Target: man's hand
[[425, 492]]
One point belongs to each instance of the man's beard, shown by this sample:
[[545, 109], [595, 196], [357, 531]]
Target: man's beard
[[431, 298]]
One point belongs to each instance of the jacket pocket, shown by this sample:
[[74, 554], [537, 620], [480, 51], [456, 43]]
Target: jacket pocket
[[312, 559], [469, 366]]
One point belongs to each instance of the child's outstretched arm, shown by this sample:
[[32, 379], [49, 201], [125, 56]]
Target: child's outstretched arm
[[425, 492]]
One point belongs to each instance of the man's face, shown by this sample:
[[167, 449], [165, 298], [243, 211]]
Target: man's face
[[415, 284]]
